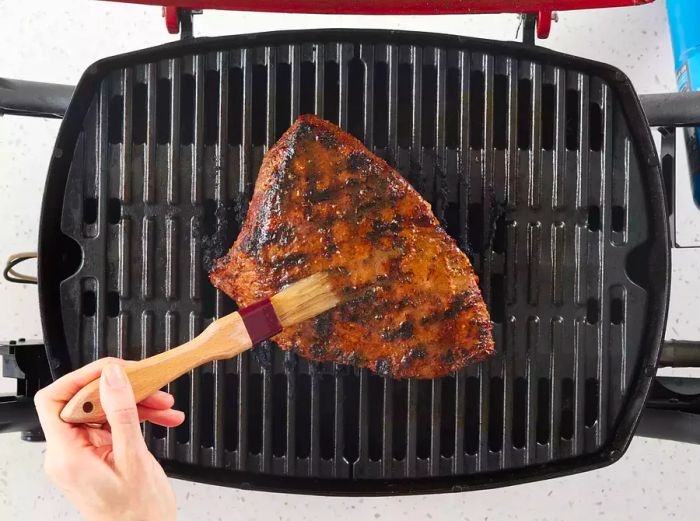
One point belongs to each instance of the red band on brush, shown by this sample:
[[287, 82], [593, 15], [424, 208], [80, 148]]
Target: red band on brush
[[260, 320]]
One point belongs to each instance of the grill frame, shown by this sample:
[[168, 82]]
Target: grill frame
[[50, 234]]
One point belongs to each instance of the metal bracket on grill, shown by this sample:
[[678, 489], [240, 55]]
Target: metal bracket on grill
[[529, 23], [179, 20], [536, 24], [673, 410], [26, 362], [668, 112]]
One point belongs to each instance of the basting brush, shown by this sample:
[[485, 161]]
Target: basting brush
[[223, 338]]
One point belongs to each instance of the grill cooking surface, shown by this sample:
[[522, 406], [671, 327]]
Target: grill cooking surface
[[528, 164]]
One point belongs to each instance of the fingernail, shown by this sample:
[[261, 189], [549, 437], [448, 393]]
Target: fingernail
[[114, 376]]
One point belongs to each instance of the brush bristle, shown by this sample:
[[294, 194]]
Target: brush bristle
[[305, 299]]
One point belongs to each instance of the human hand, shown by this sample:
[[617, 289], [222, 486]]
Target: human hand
[[108, 472]]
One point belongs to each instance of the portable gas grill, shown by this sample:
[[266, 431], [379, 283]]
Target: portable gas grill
[[540, 165]]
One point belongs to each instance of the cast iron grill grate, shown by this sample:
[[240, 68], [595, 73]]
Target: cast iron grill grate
[[528, 164]]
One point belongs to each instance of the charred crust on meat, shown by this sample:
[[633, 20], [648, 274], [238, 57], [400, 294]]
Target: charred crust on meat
[[283, 235], [285, 180], [383, 229], [448, 357], [395, 267], [317, 350], [413, 354], [458, 304], [355, 316], [463, 354], [220, 264], [365, 297], [484, 327], [417, 353], [361, 209], [422, 220], [331, 248], [260, 235], [358, 161], [403, 332], [320, 196], [248, 244], [398, 242], [323, 324], [304, 130], [327, 139], [356, 359], [383, 367], [295, 259]]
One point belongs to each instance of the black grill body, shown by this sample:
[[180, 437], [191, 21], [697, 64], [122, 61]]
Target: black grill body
[[540, 165]]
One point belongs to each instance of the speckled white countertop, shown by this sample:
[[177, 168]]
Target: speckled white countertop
[[56, 40]]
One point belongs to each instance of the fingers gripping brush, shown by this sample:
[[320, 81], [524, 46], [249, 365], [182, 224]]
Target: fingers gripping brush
[[224, 338]]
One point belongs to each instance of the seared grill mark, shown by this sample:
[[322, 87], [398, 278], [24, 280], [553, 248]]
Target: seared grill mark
[[403, 332], [331, 248], [417, 353], [363, 209], [358, 161], [323, 324], [295, 259], [283, 235], [304, 131], [459, 303], [328, 140], [424, 220], [322, 195], [384, 229], [318, 350]]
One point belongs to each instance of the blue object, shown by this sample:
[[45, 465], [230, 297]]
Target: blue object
[[684, 21]]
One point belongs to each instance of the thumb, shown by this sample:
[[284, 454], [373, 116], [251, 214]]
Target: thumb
[[118, 402]]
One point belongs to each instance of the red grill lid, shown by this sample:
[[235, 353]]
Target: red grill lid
[[394, 6]]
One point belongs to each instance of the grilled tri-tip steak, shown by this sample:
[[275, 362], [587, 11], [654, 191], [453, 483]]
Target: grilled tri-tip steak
[[323, 202]]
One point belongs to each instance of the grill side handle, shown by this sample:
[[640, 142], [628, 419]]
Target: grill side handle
[[224, 338], [32, 98]]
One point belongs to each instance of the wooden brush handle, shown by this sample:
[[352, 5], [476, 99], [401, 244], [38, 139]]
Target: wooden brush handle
[[223, 339]]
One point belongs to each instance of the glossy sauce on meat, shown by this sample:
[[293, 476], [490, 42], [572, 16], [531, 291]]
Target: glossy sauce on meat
[[323, 202]]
